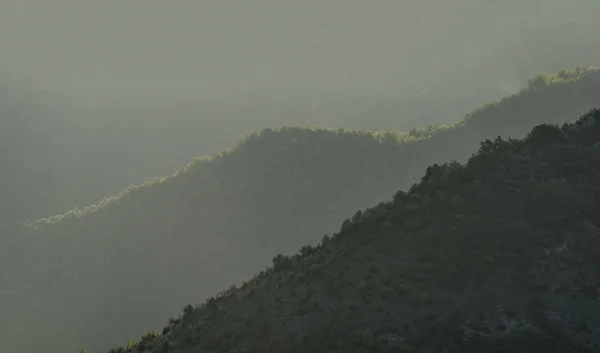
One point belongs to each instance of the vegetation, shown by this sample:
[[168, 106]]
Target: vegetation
[[220, 219], [496, 255], [57, 155]]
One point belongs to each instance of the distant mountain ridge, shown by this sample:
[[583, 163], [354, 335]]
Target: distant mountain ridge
[[497, 255], [106, 273]]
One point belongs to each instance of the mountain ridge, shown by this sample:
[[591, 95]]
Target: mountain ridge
[[477, 117], [496, 255], [220, 220]]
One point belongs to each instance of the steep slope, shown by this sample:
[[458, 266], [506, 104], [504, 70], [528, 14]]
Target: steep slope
[[59, 152], [118, 258], [498, 255], [104, 274]]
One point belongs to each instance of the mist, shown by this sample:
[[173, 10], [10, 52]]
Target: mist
[[95, 96], [213, 48]]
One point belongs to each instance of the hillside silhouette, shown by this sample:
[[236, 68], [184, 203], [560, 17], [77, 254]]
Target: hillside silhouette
[[495, 255], [108, 272], [504, 71], [64, 151]]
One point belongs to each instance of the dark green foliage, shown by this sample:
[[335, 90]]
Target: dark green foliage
[[188, 310], [545, 134], [485, 226], [180, 238], [281, 262], [146, 343]]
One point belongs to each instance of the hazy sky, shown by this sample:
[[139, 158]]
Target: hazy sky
[[211, 46]]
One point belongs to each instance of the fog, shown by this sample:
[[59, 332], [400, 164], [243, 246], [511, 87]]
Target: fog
[[105, 94], [95, 96], [154, 47]]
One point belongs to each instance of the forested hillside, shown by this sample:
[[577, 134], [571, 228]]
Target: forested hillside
[[62, 151], [113, 270], [497, 255]]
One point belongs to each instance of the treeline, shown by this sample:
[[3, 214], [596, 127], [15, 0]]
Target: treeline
[[220, 219], [498, 254]]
